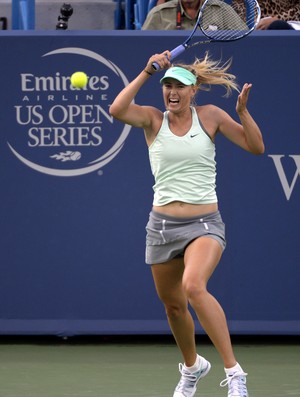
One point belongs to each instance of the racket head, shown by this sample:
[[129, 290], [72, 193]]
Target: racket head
[[219, 21]]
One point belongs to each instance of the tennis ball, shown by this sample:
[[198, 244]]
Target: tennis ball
[[79, 79]]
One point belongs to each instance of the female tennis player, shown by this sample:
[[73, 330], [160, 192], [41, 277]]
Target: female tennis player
[[185, 232]]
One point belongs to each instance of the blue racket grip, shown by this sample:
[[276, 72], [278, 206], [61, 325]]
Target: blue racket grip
[[177, 51], [174, 53]]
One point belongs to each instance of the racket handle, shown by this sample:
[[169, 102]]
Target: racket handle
[[155, 66], [177, 51], [174, 53]]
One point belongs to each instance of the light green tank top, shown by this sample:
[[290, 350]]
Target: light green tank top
[[183, 167]]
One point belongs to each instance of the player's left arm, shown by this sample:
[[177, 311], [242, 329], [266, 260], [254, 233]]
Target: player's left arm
[[247, 134]]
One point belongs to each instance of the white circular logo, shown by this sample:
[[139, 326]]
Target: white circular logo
[[64, 131]]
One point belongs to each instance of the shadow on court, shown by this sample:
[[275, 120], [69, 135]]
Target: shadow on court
[[138, 366]]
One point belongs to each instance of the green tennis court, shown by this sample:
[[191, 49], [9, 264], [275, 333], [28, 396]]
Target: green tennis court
[[132, 367]]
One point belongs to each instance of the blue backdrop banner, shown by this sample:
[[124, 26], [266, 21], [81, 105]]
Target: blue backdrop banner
[[76, 187]]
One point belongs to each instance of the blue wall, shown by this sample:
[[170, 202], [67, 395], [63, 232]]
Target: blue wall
[[76, 187]]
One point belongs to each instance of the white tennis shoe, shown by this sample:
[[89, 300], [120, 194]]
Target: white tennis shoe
[[187, 385], [236, 382]]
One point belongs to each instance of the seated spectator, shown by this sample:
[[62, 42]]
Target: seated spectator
[[183, 14], [173, 14], [279, 14]]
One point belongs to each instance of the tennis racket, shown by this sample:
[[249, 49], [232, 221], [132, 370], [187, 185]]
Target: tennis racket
[[219, 21]]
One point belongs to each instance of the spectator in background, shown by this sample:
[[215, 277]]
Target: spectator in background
[[172, 15], [275, 14], [279, 14], [183, 14]]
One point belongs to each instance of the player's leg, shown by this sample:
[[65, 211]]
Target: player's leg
[[168, 282], [201, 258]]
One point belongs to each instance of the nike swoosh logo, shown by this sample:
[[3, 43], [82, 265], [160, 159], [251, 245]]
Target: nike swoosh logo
[[193, 136]]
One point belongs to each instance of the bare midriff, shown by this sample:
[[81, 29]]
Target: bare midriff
[[180, 209]]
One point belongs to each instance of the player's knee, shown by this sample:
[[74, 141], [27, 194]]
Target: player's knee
[[175, 311], [194, 290]]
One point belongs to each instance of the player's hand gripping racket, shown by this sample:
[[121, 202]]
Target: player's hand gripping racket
[[218, 21]]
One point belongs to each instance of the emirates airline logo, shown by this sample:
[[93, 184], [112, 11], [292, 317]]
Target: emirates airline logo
[[63, 131]]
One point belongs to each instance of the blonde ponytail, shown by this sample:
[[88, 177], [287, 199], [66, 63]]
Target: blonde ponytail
[[210, 72]]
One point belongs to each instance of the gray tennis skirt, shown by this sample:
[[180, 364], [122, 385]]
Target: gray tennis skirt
[[168, 236]]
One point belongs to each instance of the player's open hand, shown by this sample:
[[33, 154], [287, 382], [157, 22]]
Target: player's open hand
[[242, 100]]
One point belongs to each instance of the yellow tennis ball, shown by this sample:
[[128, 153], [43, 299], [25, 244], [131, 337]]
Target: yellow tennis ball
[[79, 79]]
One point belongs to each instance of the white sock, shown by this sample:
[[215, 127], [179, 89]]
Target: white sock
[[233, 370], [196, 366]]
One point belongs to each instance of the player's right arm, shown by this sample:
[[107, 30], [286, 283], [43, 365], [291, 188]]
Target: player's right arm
[[125, 110]]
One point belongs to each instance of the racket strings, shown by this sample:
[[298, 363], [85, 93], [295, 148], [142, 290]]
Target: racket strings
[[219, 20]]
